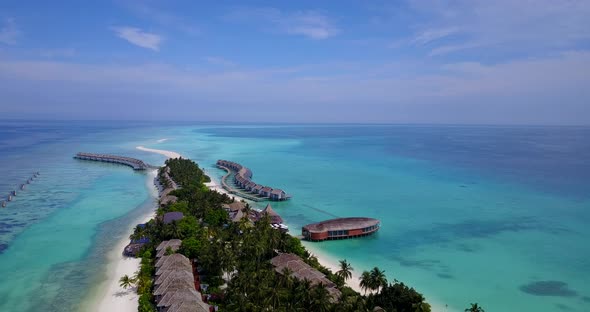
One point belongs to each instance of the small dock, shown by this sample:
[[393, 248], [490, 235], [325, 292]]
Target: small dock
[[134, 163]]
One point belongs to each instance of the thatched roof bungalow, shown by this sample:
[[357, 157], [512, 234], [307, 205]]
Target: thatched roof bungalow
[[265, 191], [301, 270], [275, 218], [235, 206], [173, 244]]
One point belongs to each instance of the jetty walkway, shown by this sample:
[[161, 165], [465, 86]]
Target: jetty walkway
[[134, 163], [249, 189], [12, 194]]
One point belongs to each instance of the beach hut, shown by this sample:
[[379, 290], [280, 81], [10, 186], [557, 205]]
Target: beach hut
[[173, 244], [235, 206], [275, 218], [303, 271]]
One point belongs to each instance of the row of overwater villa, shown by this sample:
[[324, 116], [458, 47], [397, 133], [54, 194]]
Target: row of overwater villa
[[134, 163], [243, 179], [12, 194]]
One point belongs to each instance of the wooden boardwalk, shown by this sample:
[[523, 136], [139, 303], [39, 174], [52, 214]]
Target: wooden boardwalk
[[232, 190], [134, 163]]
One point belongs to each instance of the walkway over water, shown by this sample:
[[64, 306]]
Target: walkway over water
[[134, 163], [250, 189]]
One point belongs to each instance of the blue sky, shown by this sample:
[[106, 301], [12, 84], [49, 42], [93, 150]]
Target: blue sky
[[483, 62]]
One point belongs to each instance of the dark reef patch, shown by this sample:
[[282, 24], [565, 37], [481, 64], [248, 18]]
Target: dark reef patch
[[586, 298], [3, 247], [563, 307], [445, 275], [548, 288]]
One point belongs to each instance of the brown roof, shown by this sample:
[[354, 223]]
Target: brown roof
[[235, 206], [341, 224], [277, 191], [267, 189], [258, 187], [173, 243], [275, 218], [173, 275], [171, 262], [301, 270]]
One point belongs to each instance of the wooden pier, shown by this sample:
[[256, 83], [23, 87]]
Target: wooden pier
[[13, 193], [134, 163]]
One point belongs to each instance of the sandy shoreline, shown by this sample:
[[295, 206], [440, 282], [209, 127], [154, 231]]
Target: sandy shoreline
[[116, 298], [111, 296]]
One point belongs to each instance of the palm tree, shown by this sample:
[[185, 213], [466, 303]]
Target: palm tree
[[378, 279], [320, 298], [421, 307], [345, 271], [365, 281], [474, 308], [126, 281]]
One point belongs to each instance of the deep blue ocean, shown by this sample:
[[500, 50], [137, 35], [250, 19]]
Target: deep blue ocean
[[491, 214]]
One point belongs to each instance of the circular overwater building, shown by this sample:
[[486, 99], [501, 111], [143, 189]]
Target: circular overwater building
[[340, 228]]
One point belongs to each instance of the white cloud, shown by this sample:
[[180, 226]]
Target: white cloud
[[511, 92], [138, 37], [431, 35], [504, 25], [310, 24], [9, 32]]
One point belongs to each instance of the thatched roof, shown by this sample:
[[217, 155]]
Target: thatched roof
[[301, 270], [236, 216], [235, 206], [172, 262], [169, 275], [174, 244], [275, 218], [173, 284], [179, 296], [277, 192]]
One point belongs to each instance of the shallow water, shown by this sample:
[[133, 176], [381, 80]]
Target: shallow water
[[469, 214]]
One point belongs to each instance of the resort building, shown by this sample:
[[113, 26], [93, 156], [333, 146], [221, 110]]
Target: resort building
[[340, 228], [278, 194], [301, 270], [175, 285], [173, 244], [275, 218], [169, 217], [243, 179]]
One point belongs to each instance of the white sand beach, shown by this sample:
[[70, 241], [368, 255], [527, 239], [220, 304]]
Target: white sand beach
[[168, 154], [111, 296], [354, 282]]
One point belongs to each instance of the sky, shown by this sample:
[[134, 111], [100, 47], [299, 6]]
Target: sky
[[410, 61]]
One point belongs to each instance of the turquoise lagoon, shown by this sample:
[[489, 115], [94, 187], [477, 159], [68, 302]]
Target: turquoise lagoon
[[494, 215]]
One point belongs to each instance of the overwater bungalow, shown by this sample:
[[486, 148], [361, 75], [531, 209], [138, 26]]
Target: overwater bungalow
[[265, 191], [278, 194], [303, 271], [257, 189], [340, 228], [243, 179]]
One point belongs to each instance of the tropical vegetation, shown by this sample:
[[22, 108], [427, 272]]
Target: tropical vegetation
[[234, 259]]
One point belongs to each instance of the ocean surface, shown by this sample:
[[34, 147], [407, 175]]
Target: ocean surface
[[489, 214]]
